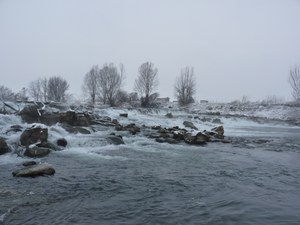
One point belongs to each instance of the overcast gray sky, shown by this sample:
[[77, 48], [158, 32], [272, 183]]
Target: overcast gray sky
[[237, 47]]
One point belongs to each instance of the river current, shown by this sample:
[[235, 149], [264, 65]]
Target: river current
[[253, 180]]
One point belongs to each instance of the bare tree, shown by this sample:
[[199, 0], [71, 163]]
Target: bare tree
[[44, 89], [22, 95], [185, 86], [57, 88], [6, 94], [35, 89], [146, 82], [109, 83], [90, 83], [294, 80], [38, 89]]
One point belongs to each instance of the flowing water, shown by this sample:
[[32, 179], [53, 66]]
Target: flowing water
[[254, 180]]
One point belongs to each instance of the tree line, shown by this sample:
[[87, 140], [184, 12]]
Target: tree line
[[105, 85]]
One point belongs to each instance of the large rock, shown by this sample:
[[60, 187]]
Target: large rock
[[190, 125], [35, 151], [3, 146], [33, 135], [75, 129], [35, 170], [75, 119]]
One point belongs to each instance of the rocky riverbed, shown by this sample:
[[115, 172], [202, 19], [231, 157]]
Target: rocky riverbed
[[133, 166]]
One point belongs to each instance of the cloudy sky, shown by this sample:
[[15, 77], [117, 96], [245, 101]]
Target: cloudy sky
[[237, 47]]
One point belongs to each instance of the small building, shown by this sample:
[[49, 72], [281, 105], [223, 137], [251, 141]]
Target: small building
[[203, 101], [163, 100]]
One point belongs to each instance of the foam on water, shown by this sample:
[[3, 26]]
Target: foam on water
[[10, 158]]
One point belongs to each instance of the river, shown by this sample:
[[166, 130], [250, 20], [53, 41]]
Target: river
[[254, 180]]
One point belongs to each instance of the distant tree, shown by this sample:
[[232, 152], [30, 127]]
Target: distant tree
[[185, 86], [109, 83], [6, 94], [38, 89], [57, 88], [35, 90], [272, 99], [90, 83], [44, 89], [294, 80], [122, 97], [146, 82]]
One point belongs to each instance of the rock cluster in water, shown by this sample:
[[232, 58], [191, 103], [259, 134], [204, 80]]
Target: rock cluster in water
[[34, 139]]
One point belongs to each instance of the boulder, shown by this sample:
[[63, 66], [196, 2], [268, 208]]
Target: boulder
[[35, 170], [116, 140], [30, 113], [35, 151], [75, 119], [49, 118], [33, 135], [62, 142], [190, 125], [3, 146], [219, 132], [201, 138]]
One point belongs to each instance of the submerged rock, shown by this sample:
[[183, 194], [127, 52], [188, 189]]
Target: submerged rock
[[169, 115], [75, 129], [48, 145], [3, 146], [190, 125], [34, 170], [116, 140], [216, 120]]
